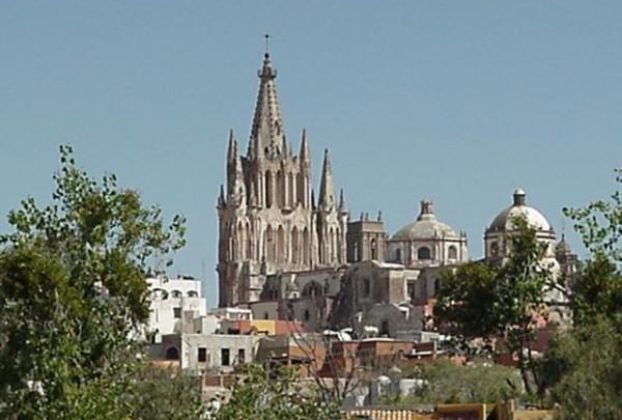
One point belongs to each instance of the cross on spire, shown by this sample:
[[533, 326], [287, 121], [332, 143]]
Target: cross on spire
[[267, 37]]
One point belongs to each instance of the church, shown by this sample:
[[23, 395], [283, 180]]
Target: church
[[269, 220], [286, 255]]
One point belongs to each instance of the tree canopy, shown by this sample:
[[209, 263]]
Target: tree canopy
[[73, 296], [488, 300], [263, 394]]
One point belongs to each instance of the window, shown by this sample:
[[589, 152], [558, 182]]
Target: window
[[494, 249], [374, 250], [193, 294], [424, 253], [224, 357], [172, 354], [398, 255], [366, 287], [177, 312], [307, 315], [266, 315], [241, 356], [202, 356], [176, 293], [312, 289], [384, 328], [452, 253]]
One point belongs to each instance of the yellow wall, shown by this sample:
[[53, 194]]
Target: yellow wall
[[267, 325]]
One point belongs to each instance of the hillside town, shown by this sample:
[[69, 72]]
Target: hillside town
[[439, 238], [304, 284]]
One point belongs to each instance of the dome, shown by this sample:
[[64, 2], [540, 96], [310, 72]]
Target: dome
[[426, 226], [534, 218]]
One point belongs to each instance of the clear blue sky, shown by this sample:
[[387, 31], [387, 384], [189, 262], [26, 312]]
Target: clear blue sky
[[459, 102]]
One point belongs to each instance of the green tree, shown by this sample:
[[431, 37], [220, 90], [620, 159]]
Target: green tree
[[485, 300], [166, 394], [584, 371], [265, 395], [443, 382], [597, 292], [581, 368], [73, 296], [600, 224]]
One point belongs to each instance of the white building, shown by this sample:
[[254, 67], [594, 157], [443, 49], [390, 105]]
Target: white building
[[205, 352], [170, 298]]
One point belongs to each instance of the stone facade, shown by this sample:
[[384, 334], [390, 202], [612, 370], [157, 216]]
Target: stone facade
[[366, 239], [268, 217], [427, 242], [284, 256]]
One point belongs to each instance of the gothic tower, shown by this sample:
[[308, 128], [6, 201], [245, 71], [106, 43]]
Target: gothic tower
[[267, 216]]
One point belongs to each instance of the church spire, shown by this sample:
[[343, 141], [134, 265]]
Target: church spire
[[267, 132], [327, 186]]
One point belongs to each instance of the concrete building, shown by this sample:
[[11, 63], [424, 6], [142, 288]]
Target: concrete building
[[209, 352], [170, 298]]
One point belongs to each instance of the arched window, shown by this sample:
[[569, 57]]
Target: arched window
[[280, 245], [291, 190], [307, 315], [159, 294], [384, 328], [266, 315], [424, 253], [452, 252], [249, 242], [366, 287], [294, 247], [270, 244], [269, 189], [193, 294], [176, 293], [241, 241], [280, 189], [172, 354], [305, 246], [312, 289], [374, 249], [300, 189], [398, 255]]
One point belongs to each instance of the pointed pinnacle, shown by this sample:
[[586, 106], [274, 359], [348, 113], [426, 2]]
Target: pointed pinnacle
[[230, 148], [304, 147], [327, 187], [342, 201]]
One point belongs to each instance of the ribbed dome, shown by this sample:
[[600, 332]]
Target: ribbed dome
[[504, 220], [426, 226]]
